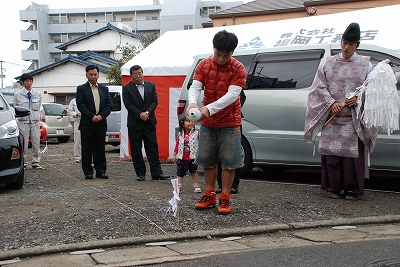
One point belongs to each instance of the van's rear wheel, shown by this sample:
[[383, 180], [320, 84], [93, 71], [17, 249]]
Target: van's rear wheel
[[247, 158]]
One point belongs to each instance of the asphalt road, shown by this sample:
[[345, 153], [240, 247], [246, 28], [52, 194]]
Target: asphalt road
[[373, 253]]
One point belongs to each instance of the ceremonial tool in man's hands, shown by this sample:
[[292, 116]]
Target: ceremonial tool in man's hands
[[380, 108], [355, 93]]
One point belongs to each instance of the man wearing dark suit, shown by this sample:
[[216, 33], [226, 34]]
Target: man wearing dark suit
[[140, 99], [94, 103]]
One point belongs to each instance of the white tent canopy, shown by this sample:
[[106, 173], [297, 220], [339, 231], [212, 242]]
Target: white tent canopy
[[172, 53]]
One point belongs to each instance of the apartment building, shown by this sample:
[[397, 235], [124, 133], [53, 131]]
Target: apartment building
[[273, 10], [50, 28]]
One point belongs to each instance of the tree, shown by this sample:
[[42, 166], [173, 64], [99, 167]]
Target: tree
[[128, 52]]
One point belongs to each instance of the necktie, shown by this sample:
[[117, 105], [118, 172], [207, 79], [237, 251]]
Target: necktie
[[29, 95]]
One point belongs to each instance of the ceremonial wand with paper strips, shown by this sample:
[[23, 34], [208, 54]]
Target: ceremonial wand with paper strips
[[381, 100], [355, 93], [174, 201], [381, 108]]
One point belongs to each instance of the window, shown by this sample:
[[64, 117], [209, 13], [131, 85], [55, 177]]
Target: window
[[284, 69], [53, 109], [109, 17], [206, 11], [105, 54], [151, 18], [64, 37], [56, 57], [64, 18], [56, 38], [54, 19], [69, 98], [188, 27], [62, 99], [116, 101]]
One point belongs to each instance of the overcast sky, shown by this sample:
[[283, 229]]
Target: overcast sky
[[10, 41]]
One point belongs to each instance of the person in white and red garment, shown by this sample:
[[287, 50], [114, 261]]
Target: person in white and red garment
[[345, 142]]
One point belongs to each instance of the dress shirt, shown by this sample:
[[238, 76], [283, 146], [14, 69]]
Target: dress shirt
[[96, 97], [140, 87]]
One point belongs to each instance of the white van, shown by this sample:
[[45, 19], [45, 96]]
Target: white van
[[114, 119], [278, 83]]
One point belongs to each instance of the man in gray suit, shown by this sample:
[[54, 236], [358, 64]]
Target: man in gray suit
[[94, 103], [140, 99]]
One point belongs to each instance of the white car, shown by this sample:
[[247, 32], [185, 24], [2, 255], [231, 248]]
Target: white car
[[56, 121]]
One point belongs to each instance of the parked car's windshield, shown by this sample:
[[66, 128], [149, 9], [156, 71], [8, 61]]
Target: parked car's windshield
[[54, 110], [2, 103], [9, 97]]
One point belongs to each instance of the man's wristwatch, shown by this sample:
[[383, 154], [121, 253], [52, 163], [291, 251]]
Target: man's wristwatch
[[148, 113]]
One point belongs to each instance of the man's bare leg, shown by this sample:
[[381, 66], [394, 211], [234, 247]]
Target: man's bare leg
[[227, 180], [210, 176]]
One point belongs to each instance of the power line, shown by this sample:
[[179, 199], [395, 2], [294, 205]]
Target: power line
[[2, 76], [2, 61]]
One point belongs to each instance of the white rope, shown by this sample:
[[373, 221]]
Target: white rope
[[110, 197]]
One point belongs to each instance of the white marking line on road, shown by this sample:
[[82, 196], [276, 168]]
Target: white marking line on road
[[9, 261], [161, 243], [90, 251], [343, 227], [231, 238], [110, 197]]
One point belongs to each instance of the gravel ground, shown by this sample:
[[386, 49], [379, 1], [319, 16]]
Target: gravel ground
[[58, 206]]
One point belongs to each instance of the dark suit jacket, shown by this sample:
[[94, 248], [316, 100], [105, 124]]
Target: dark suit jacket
[[85, 104], [135, 105]]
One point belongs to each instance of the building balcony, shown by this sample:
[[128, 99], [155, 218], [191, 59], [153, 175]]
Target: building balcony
[[140, 25], [53, 49], [30, 54], [147, 25], [28, 15], [29, 35], [71, 28]]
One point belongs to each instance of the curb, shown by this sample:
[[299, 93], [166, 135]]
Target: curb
[[254, 230]]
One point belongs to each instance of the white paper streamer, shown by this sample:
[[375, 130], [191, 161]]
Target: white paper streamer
[[381, 100], [174, 200]]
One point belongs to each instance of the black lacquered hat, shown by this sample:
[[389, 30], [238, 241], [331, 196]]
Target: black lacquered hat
[[352, 33]]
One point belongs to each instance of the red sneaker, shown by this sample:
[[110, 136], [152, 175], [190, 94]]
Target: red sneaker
[[224, 207], [207, 201]]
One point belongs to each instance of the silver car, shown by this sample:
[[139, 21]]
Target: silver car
[[56, 122], [278, 83]]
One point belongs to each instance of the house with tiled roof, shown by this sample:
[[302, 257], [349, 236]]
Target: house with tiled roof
[[110, 43], [58, 81], [272, 10]]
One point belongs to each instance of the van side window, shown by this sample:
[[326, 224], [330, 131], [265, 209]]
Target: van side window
[[377, 57], [284, 70], [116, 101]]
